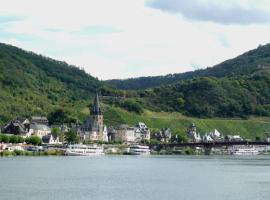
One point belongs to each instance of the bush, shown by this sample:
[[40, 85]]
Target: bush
[[34, 140], [7, 153], [28, 153], [131, 105], [71, 137], [13, 139], [4, 138], [18, 152]]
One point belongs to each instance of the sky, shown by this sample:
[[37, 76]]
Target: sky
[[132, 38]]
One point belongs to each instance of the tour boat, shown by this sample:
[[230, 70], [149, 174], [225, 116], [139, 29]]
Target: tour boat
[[245, 151], [84, 150], [139, 150]]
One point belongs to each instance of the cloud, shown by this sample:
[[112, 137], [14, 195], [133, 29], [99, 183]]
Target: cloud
[[98, 30], [9, 19], [232, 12], [126, 38]]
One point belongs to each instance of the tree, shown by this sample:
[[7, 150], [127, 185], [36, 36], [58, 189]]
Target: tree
[[131, 105], [71, 137], [4, 138], [58, 116], [55, 131], [20, 139], [34, 140], [13, 139]]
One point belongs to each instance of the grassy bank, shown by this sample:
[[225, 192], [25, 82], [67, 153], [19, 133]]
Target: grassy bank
[[51, 152]]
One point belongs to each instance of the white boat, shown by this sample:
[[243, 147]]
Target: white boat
[[84, 150], [245, 151], [139, 150]]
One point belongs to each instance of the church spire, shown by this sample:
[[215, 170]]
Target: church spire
[[96, 110]]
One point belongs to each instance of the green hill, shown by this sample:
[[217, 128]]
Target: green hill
[[34, 84], [244, 64]]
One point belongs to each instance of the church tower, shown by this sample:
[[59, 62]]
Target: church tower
[[97, 116]]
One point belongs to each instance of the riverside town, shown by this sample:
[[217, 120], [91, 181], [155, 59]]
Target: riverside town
[[36, 136], [134, 100]]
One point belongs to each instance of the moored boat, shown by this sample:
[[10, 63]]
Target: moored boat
[[245, 151], [139, 150], [84, 150]]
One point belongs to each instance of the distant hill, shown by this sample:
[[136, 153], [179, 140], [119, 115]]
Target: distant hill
[[34, 84], [244, 64]]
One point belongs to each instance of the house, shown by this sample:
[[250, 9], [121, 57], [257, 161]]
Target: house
[[125, 134], [216, 135], [39, 129], [164, 135], [51, 139], [233, 138], [142, 132], [192, 133], [112, 134], [93, 128], [207, 138], [17, 127], [40, 120]]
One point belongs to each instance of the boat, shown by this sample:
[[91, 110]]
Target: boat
[[245, 151], [139, 150], [84, 150]]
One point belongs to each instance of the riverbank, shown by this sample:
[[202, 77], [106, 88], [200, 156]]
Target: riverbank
[[50, 152]]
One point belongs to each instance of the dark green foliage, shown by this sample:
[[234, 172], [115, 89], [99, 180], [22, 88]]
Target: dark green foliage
[[58, 116], [4, 138], [71, 137], [56, 131], [32, 84], [34, 140], [13, 139], [130, 105], [215, 97]]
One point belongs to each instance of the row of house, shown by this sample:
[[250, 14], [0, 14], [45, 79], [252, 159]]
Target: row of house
[[25, 127], [213, 136], [37, 125], [92, 129]]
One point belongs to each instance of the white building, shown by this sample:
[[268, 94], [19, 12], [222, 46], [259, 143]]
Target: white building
[[142, 132], [51, 139], [207, 138]]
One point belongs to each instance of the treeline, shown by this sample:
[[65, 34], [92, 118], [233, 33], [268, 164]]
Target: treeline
[[15, 139], [244, 64], [213, 97]]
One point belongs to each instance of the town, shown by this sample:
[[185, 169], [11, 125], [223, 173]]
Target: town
[[35, 136]]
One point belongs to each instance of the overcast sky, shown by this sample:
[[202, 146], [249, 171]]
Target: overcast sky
[[131, 38]]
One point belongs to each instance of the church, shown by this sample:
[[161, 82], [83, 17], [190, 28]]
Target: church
[[93, 128]]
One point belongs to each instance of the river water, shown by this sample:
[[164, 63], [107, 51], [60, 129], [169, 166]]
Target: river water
[[135, 178]]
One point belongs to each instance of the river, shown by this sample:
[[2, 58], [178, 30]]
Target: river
[[135, 178]]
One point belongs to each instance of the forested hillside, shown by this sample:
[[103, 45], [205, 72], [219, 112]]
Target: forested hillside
[[244, 64], [214, 97], [34, 84]]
